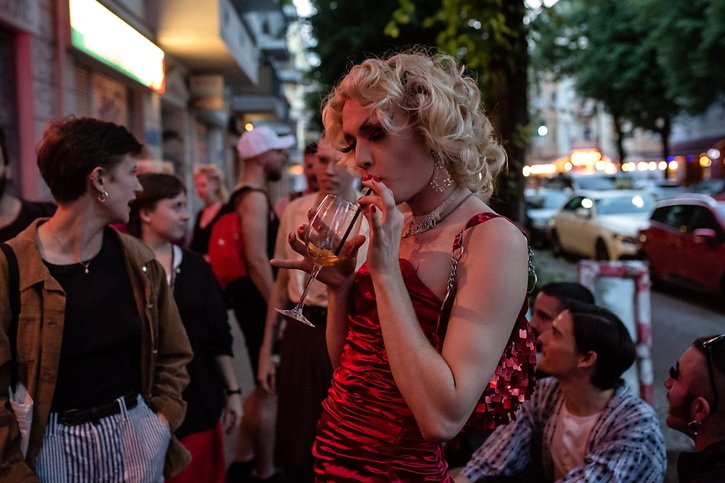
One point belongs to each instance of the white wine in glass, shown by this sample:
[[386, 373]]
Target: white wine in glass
[[331, 225]]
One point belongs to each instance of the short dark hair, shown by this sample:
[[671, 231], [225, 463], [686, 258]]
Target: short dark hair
[[568, 291], [156, 187], [4, 148], [311, 148], [598, 329], [73, 147]]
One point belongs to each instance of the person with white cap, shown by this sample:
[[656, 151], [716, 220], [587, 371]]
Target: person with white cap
[[263, 154]]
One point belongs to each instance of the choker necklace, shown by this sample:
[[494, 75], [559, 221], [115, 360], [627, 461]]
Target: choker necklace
[[423, 223]]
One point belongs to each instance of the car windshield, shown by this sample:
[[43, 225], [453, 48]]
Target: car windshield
[[595, 183], [721, 209], [709, 186], [553, 200], [624, 205]]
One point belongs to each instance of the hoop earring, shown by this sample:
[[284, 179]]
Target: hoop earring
[[102, 196], [694, 428], [441, 179]]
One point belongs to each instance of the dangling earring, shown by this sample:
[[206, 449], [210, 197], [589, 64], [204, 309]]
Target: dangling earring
[[102, 196], [441, 179], [695, 428]]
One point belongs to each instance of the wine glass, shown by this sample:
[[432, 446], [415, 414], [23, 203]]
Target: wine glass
[[325, 236]]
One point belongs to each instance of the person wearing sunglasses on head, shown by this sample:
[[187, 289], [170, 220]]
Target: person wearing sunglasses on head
[[695, 387]]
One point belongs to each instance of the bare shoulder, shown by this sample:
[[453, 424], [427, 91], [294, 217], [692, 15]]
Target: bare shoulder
[[253, 201], [499, 235]]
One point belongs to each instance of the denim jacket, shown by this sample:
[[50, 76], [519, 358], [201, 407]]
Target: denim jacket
[[165, 349]]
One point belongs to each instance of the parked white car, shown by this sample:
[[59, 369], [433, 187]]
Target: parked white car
[[601, 224]]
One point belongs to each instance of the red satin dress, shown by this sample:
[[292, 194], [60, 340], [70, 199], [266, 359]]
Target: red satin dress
[[366, 431]]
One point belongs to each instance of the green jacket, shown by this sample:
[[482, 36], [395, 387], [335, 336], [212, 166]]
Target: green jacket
[[165, 349]]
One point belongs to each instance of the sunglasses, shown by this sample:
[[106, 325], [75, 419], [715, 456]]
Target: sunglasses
[[708, 346]]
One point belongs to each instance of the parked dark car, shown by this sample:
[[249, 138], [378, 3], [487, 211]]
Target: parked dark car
[[685, 242]]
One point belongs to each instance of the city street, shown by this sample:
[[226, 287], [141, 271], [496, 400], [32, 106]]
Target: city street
[[678, 317]]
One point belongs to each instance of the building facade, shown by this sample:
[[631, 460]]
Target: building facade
[[185, 76]]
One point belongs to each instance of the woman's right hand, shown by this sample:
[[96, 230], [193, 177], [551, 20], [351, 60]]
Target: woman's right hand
[[267, 372], [337, 276]]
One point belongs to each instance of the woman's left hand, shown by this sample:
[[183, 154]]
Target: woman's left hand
[[386, 225], [232, 413]]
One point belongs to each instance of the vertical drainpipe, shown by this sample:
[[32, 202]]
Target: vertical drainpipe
[[62, 29], [26, 116]]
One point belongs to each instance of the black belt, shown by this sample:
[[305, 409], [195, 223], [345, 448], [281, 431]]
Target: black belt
[[316, 315], [74, 417]]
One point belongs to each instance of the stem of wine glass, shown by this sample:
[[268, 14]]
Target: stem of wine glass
[[313, 275]]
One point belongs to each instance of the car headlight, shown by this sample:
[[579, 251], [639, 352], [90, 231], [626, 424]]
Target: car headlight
[[625, 239]]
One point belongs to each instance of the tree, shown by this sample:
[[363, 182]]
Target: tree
[[689, 39], [348, 31], [600, 44]]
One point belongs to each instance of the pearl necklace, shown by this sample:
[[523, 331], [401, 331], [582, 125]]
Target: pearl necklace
[[423, 223]]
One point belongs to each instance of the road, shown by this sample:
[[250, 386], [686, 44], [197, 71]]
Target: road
[[678, 317]]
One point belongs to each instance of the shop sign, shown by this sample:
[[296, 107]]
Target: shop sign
[[101, 34]]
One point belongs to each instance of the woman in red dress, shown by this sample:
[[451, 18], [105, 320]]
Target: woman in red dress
[[411, 368]]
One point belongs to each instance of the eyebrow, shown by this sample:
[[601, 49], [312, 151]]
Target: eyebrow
[[365, 129]]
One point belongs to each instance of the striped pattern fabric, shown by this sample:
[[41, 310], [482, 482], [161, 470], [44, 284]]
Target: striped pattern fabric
[[125, 447], [625, 444]]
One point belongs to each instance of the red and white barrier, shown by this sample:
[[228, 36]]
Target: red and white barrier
[[624, 288]]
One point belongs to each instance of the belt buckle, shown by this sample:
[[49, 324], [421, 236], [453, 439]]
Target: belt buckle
[[67, 417]]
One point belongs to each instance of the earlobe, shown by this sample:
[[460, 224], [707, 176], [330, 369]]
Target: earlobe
[[145, 215], [588, 359], [699, 408]]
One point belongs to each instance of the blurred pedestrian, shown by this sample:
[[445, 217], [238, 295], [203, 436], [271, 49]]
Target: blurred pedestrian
[[209, 187], [695, 392], [15, 213], [411, 362], [214, 399], [100, 344], [264, 155], [583, 423], [304, 374], [311, 184], [550, 302]]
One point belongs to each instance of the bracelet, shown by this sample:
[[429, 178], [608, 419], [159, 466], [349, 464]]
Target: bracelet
[[229, 392]]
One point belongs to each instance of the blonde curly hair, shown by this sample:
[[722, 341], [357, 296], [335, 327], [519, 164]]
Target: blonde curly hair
[[443, 105]]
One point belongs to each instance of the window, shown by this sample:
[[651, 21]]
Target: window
[[574, 203], [672, 216]]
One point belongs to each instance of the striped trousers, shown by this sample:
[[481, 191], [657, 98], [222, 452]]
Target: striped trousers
[[126, 447]]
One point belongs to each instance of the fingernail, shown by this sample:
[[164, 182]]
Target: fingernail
[[301, 227], [367, 177], [376, 179]]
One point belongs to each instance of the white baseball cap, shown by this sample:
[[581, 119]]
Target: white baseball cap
[[260, 140]]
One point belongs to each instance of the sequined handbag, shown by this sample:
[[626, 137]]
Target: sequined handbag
[[513, 379]]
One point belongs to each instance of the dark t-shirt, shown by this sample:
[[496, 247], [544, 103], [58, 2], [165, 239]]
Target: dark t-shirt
[[200, 236], [29, 211], [204, 315], [100, 355]]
